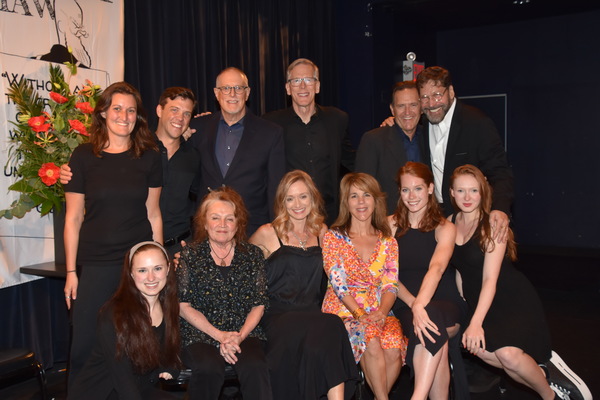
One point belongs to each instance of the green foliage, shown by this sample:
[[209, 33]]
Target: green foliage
[[44, 138]]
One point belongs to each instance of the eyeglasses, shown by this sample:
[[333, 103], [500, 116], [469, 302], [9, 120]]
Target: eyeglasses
[[236, 89], [297, 81], [435, 96]]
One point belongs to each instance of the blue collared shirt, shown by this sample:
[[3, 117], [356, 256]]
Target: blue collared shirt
[[411, 147], [228, 140]]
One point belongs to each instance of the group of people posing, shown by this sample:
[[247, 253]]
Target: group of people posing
[[264, 285]]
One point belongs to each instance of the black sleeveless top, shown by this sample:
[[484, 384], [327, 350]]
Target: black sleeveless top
[[295, 278]]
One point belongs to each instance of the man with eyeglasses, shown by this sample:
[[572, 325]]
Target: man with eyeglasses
[[458, 134], [239, 149], [383, 151], [316, 137]]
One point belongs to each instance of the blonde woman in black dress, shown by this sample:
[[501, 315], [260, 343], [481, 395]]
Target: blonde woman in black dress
[[308, 351]]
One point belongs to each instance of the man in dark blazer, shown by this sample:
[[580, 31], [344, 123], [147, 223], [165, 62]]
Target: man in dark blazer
[[458, 134], [383, 151], [239, 149], [316, 137]]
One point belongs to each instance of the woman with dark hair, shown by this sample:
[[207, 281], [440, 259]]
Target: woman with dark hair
[[308, 354], [223, 294], [112, 203], [361, 260], [429, 306], [507, 328], [137, 341]]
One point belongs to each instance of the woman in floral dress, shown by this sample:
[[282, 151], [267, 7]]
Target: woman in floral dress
[[361, 261]]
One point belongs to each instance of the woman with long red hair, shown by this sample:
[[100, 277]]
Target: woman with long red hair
[[429, 306], [507, 329]]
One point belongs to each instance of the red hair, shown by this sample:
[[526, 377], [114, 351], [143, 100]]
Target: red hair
[[433, 216], [226, 194], [486, 243]]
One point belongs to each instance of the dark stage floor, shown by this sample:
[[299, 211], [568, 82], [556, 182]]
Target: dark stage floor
[[569, 285]]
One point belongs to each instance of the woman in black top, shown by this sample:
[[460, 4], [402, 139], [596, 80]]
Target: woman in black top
[[308, 351], [112, 203], [508, 328], [137, 341]]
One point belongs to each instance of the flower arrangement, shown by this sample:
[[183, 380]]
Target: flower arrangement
[[44, 140]]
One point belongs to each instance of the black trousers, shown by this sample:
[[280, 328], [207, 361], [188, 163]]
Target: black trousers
[[96, 287], [208, 370]]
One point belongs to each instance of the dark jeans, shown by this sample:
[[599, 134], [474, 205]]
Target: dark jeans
[[208, 370]]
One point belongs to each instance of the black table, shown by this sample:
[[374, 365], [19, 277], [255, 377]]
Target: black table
[[48, 269]]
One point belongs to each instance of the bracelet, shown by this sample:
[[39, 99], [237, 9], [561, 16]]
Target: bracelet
[[73, 270], [357, 313]]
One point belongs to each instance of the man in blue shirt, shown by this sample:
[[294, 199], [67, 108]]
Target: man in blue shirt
[[383, 151]]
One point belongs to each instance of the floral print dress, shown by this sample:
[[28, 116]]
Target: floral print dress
[[349, 275]]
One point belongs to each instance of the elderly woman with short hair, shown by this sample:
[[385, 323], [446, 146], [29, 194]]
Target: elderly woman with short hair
[[222, 293]]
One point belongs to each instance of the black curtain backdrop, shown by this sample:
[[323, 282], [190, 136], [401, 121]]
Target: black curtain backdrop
[[187, 43]]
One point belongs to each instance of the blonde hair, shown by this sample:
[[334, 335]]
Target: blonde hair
[[314, 220]]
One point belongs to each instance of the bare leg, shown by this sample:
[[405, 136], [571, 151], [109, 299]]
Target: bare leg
[[522, 368], [393, 364], [441, 383], [425, 368], [374, 368], [336, 392]]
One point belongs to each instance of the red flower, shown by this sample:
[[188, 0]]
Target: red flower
[[85, 107], [49, 173], [38, 124], [78, 126], [58, 98]]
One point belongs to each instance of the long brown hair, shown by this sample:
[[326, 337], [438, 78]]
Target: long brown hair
[[433, 215], [367, 183], [227, 194], [141, 137], [133, 324], [282, 222], [486, 243]]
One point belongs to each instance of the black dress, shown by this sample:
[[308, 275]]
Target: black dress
[[308, 351], [105, 376], [446, 308], [516, 316]]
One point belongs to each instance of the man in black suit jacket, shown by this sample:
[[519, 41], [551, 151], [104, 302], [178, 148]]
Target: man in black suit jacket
[[239, 149], [316, 137], [383, 151], [458, 134]]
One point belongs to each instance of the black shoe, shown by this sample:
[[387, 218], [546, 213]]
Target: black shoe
[[565, 383], [561, 396]]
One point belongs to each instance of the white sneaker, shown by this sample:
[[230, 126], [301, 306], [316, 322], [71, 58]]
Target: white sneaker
[[565, 382]]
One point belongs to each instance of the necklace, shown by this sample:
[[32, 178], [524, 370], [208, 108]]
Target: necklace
[[470, 231], [301, 242], [222, 263]]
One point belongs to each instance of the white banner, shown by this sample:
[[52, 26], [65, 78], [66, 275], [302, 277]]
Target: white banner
[[32, 34]]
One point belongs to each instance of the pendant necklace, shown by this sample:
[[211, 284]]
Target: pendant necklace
[[301, 242], [221, 258]]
